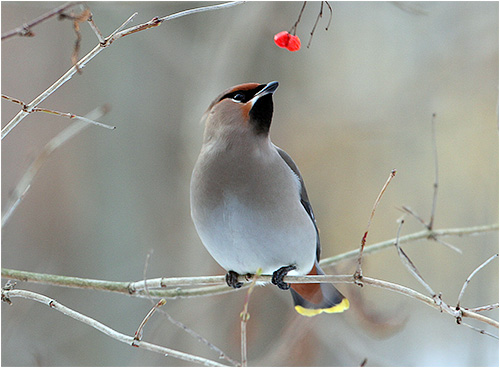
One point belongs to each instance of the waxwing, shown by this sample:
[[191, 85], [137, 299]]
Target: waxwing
[[249, 203]]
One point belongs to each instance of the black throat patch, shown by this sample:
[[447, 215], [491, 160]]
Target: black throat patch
[[261, 114]]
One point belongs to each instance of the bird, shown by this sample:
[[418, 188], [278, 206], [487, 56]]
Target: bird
[[249, 203]]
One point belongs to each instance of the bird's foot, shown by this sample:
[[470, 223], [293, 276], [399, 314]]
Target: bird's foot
[[280, 274], [232, 280]]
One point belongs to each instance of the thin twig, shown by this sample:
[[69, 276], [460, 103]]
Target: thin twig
[[331, 15], [138, 333], [94, 52], [466, 283], [414, 214], [123, 25], [156, 21], [179, 324], [408, 263], [484, 308], [320, 15], [293, 30], [436, 173], [245, 316], [58, 113], [446, 244], [197, 336], [424, 234], [96, 29], [64, 136], [25, 29], [129, 340], [480, 330], [358, 274], [421, 220]]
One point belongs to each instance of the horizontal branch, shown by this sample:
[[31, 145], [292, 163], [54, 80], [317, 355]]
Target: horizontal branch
[[134, 288], [129, 340], [177, 292], [171, 287]]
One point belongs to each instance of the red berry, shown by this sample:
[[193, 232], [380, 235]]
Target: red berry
[[281, 39], [293, 43]]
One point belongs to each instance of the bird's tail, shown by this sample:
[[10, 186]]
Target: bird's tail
[[313, 299]]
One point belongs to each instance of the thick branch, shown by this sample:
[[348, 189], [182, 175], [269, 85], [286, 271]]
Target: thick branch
[[434, 302]]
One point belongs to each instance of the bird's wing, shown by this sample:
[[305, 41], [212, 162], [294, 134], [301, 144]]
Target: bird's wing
[[304, 199]]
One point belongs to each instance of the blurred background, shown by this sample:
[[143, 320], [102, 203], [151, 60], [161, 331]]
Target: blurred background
[[356, 104]]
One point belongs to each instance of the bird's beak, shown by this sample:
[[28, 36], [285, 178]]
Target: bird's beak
[[270, 88]]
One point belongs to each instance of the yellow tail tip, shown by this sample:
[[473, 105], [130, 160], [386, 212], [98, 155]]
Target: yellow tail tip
[[339, 308]]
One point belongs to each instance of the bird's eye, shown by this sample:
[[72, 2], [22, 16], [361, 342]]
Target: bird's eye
[[239, 97]]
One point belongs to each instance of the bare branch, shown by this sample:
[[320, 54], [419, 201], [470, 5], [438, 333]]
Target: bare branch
[[156, 21], [245, 316], [466, 283], [58, 113], [121, 287], [138, 333], [320, 15], [94, 52], [484, 308], [197, 336], [136, 288], [358, 274], [409, 264], [124, 24], [436, 173], [293, 30], [25, 29], [446, 244], [331, 15], [129, 340], [424, 234], [414, 214], [96, 30], [481, 331]]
